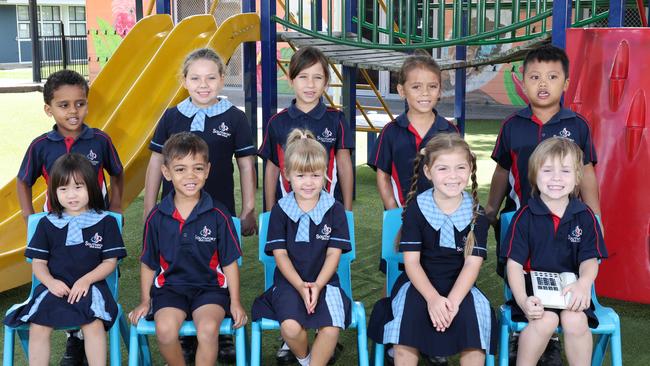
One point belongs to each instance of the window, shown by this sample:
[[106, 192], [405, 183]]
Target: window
[[23, 21], [49, 21], [77, 19]]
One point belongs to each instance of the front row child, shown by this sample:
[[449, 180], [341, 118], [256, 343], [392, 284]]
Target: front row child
[[308, 232], [189, 257], [74, 248], [555, 232], [435, 308]]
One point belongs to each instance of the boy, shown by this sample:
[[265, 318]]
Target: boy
[[546, 72], [189, 256], [66, 100]]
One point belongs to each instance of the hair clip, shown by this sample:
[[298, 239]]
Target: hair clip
[[471, 226], [423, 151], [303, 136]]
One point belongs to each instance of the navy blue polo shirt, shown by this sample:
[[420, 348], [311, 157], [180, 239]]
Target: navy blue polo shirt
[[226, 134], [540, 241], [519, 136], [69, 263], [190, 252], [93, 143], [329, 127], [396, 148]]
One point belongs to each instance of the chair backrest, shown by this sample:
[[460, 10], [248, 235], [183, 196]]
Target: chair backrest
[[32, 223], [391, 226], [344, 263]]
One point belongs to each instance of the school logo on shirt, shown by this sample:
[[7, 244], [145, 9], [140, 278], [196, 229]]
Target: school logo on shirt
[[204, 236], [95, 242], [222, 130], [325, 233], [92, 157], [326, 136], [565, 133], [576, 235]]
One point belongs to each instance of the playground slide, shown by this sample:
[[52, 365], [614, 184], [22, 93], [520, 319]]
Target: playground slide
[[128, 108]]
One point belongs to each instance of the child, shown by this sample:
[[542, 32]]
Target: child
[[66, 100], [309, 76], [419, 83], [546, 72], [223, 127], [73, 250], [435, 308], [554, 232], [308, 231], [189, 256]]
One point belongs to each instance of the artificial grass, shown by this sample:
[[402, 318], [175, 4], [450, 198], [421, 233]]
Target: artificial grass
[[367, 281]]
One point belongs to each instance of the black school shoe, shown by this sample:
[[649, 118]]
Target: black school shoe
[[284, 355], [338, 350], [436, 361], [513, 346], [552, 355], [227, 351], [188, 345], [75, 354]]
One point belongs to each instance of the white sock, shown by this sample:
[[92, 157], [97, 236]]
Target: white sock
[[304, 361], [391, 352]]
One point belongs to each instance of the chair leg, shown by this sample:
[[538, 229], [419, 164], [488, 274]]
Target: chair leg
[[134, 348], [8, 349], [23, 336], [144, 347], [489, 360], [114, 342], [124, 330], [362, 337], [503, 345], [598, 355], [240, 346], [256, 344], [379, 354], [617, 353]]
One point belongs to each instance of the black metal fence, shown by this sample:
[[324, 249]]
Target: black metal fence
[[63, 52]]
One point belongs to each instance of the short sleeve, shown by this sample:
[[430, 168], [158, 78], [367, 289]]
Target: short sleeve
[[344, 135], [150, 249], [161, 134], [243, 136], [501, 152], [30, 168], [276, 236], [587, 146], [39, 245], [268, 149], [516, 246], [111, 162], [481, 227], [227, 240], [340, 235], [381, 156], [592, 244], [411, 235], [114, 245]]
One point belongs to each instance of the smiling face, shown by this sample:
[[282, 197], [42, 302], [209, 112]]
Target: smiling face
[[449, 173], [544, 83], [421, 90], [68, 107], [556, 178], [73, 196], [309, 85], [203, 82], [306, 185], [188, 175]]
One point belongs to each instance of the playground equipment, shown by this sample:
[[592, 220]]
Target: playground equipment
[[127, 99]]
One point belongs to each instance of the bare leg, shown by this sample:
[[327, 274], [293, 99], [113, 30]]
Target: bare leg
[[296, 337], [168, 322], [39, 345], [324, 344], [472, 357], [207, 320], [95, 343], [578, 343], [405, 355], [533, 339]]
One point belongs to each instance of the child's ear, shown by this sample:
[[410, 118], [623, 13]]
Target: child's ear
[[207, 169], [426, 171], [566, 85], [166, 173], [48, 110], [400, 90]]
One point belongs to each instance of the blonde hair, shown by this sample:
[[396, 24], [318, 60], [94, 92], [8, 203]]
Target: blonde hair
[[303, 153], [203, 54], [555, 147], [438, 145]]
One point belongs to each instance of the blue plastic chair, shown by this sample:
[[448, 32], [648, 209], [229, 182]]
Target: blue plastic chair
[[391, 226], [139, 343], [119, 327], [608, 330], [358, 311]]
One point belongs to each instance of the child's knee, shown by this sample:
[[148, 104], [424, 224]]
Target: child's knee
[[207, 331], [329, 332], [166, 331], [547, 323], [95, 327], [574, 323], [41, 331], [290, 329]]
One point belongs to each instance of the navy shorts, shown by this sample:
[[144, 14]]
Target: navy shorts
[[188, 299]]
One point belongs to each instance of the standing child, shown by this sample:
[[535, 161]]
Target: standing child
[[66, 100], [73, 250], [554, 232], [189, 256], [435, 308], [308, 231]]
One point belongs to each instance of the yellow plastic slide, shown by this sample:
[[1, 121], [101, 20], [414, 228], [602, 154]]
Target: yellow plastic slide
[[129, 96]]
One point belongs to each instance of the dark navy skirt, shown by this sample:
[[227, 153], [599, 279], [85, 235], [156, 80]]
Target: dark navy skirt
[[48, 310], [404, 319]]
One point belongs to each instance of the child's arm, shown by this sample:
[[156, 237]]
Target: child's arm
[[589, 189], [271, 175], [498, 188], [81, 286], [581, 289], [289, 272], [236, 309], [152, 182], [531, 305], [56, 287], [385, 188], [465, 281], [24, 199], [146, 279], [247, 180], [327, 271], [345, 175], [117, 188]]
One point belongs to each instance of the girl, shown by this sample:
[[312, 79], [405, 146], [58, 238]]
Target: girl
[[73, 250], [555, 232], [435, 309], [308, 231]]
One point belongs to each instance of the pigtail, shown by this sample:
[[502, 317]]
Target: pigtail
[[471, 237], [417, 162]]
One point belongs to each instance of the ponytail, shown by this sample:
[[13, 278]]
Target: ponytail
[[471, 237]]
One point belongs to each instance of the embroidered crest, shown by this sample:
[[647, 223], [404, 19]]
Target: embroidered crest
[[95, 242], [92, 157], [326, 136], [576, 235], [222, 130], [325, 233], [204, 235], [565, 133]]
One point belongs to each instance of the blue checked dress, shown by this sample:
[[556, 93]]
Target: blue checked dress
[[403, 317], [306, 236]]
